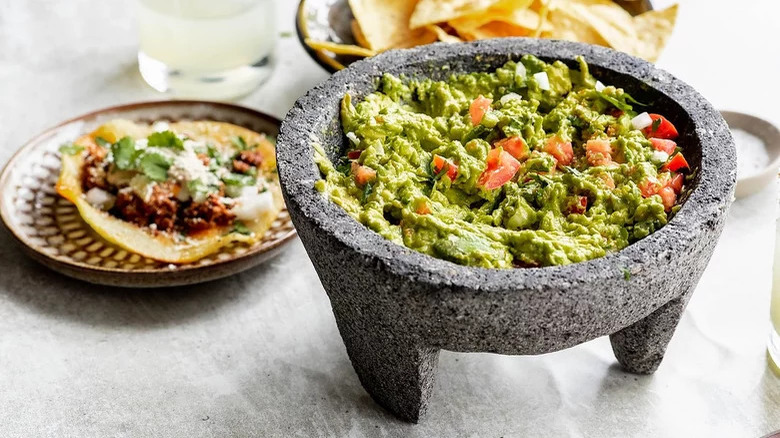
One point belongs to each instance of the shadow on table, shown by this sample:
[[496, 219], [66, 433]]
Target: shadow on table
[[30, 284]]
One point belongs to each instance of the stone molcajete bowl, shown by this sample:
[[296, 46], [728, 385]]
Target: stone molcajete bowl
[[396, 308]]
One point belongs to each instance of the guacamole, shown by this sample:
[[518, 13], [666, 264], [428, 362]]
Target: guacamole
[[533, 164]]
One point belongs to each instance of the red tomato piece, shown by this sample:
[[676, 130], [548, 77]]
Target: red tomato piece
[[660, 129], [676, 163], [663, 145], [422, 208], [363, 175], [668, 197], [561, 150], [578, 205], [440, 163], [676, 182], [515, 145], [501, 167], [648, 188], [354, 155], [608, 181], [598, 152], [479, 108]]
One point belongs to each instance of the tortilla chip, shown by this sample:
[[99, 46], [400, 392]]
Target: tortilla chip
[[494, 29], [339, 49], [442, 34], [612, 22], [518, 16], [438, 11], [568, 25], [418, 37], [654, 29], [165, 247], [384, 24], [357, 33]]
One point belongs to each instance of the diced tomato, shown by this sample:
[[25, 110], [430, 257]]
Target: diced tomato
[[676, 182], [422, 207], [676, 163], [363, 175], [561, 150], [668, 197], [598, 152], [501, 167], [479, 108], [616, 113], [660, 129], [649, 187], [578, 204], [663, 145], [440, 163], [354, 155], [515, 145], [608, 181]]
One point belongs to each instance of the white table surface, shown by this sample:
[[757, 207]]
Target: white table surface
[[258, 354]]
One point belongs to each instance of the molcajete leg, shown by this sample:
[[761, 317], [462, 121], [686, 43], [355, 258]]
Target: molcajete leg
[[397, 375], [640, 347]]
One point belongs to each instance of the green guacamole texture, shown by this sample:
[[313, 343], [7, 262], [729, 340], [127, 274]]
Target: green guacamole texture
[[546, 214]]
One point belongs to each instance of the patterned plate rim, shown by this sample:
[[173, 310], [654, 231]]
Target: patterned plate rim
[[20, 237]]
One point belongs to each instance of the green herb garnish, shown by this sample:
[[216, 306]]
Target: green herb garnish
[[167, 139], [239, 143], [367, 190], [155, 166], [70, 149], [102, 142], [124, 153], [239, 179], [626, 274], [240, 228], [656, 124]]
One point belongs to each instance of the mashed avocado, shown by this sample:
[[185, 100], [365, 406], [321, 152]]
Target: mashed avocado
[[534, 164]]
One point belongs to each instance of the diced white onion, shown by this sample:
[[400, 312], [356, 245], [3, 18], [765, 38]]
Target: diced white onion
[[641, 121], [520, 70], [250, 208], [542, 80], [353, 138], [659, 157], [100, 198], [507, 97], [599, 86]]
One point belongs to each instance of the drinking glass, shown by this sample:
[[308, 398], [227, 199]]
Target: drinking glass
[[773, 346], [206, 48]]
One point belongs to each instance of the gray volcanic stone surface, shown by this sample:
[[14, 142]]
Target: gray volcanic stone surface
[[396, 308]]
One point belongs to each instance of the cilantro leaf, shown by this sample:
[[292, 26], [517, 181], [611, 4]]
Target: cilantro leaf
[[124, 153], [70, 149], [238, 179], [617, 103], [239, 143], [656, 124], [240, 228], [200, 190], [155, 166], [102, 142], [166, 139], [626, 274], [369, 188]]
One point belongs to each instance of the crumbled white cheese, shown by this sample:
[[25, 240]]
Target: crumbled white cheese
[[252, 207], [141, 143], [161, 126]]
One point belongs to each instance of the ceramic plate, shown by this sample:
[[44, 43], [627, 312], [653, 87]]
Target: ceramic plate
[[50, 229], [329, 20]]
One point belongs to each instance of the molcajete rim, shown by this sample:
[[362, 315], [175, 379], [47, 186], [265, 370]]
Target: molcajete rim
[[707, 200]]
